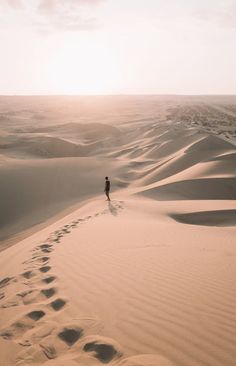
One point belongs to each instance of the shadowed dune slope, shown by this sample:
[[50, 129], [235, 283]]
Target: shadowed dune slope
[[34, 190], [211, 143], [196, 189], [208, 218], [207, 149], [225, 157]]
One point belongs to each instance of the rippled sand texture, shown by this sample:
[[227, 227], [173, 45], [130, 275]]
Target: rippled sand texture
[[145, 280]]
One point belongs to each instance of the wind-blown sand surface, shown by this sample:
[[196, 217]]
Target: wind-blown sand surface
[[147, 279]]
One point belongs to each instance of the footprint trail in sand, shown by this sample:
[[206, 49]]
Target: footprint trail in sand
[[30, 331]]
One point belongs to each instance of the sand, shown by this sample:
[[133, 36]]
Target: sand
[[147, 279]]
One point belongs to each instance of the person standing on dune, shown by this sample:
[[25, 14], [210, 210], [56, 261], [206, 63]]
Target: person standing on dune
[[107, 188]]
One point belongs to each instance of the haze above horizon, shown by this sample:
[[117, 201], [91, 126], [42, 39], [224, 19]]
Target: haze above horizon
[[125, 47]]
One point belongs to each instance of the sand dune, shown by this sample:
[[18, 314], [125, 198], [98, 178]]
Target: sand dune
[[46, 187], [208, 218], [211, 143], [68, 140], [197, 189], [147, 279], [94, 307], [88, 131]]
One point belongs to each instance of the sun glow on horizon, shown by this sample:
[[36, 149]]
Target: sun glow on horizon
[[83, 67], [117, 47]]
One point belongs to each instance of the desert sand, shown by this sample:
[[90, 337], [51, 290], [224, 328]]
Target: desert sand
[[147, 279]]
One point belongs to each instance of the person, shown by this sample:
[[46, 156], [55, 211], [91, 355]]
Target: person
[[107, 188]]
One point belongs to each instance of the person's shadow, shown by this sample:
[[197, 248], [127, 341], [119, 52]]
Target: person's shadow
[[112, 209]]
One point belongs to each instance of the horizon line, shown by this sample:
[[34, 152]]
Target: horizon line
[[116, 95]]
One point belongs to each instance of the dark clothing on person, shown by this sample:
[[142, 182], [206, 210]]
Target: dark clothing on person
[[107, 188], [107, 185]]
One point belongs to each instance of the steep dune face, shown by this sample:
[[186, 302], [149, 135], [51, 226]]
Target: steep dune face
[[211, 143], [34, 190], [197, 189], [208, 156]]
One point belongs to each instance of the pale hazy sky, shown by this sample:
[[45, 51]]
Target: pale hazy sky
[[117, 46]]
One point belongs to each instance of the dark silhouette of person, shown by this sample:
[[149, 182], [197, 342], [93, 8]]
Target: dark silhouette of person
[[107, 188]]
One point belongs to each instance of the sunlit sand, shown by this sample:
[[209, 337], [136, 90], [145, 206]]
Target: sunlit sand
[[147, 279]]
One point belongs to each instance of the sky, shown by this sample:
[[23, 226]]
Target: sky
[[117, 47]]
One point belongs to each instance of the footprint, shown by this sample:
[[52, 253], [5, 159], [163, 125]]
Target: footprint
[[102, 350], [49, 292], [82, 221], [28, 274], [49, 279], [70, 335], [58, 304], [45, 269], [67, 231], [36, 315], [46, 250], [45, 246], [6, 281], [7, 334], [44, 259], [56, 240]]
